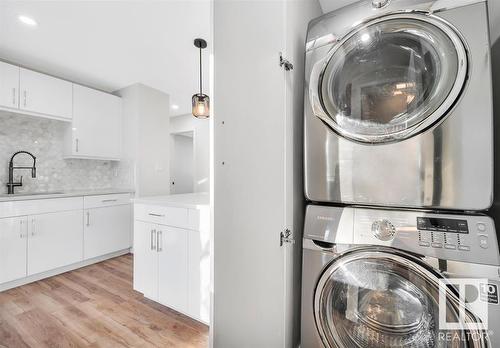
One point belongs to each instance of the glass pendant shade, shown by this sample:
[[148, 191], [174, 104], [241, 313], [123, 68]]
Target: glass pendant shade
[[201, 105]]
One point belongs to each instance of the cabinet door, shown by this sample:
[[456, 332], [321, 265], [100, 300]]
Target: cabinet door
[[54, 240], [173, 268], [13, 234], [145, 260], [9, 85], [106, 230], [46, 95], [97, 124]]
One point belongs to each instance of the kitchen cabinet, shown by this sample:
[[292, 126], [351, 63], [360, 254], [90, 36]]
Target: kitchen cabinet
[[145, 260], [107, 225], [161, 264], [172, 253], [173, 270], [46, 95], [96, 130], [9, 85], [13, 236], [43, 237], [54, 240]]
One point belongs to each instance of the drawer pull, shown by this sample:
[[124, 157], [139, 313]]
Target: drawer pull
[[156, 215], [109, 200]]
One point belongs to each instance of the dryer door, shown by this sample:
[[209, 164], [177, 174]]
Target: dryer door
[[390, 78], [375, 298]]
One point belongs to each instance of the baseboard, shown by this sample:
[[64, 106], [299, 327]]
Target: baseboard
[[60, 270]]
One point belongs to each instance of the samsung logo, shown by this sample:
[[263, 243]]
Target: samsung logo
[[324, 218]]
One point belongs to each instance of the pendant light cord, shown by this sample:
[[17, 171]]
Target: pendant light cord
[[201, 76]]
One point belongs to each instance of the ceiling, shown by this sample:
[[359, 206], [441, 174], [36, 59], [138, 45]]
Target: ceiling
[[111, 44]]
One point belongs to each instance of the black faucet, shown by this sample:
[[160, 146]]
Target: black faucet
[[11, 184]]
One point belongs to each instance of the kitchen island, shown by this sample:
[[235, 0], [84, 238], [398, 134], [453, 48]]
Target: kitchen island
[[172, 252]]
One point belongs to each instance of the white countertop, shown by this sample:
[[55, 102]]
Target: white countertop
[[61, 194], [187, 200]]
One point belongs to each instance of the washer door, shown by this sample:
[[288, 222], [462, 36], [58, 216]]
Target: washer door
[[373, 298], [392, 78]]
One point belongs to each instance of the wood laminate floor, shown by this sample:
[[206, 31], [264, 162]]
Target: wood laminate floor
[[93, 307]]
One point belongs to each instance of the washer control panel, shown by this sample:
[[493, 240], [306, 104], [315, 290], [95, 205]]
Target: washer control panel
[[446, 236], [466, 238]]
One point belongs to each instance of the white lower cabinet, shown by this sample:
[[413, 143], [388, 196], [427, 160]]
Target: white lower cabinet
[[40, 238], [161, 264], [172, 263], [173, 267], [106, 230], [13, 234], [54, 240], [145, 260]]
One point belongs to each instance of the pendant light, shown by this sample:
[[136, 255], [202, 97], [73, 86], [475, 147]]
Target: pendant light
[[201, 102]]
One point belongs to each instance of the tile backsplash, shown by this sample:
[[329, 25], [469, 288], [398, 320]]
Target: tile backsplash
[[44, 138]]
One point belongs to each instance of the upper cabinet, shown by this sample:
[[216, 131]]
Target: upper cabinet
[[97, 125], [9, 85], [94, 117], [47, 95]]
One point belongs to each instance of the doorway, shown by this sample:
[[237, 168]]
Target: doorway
[[182, 162]]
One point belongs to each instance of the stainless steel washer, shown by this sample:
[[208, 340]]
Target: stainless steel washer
[[387, 278], [398, 105]]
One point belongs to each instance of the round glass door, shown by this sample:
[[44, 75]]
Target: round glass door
[[391, 77], [377, 299]]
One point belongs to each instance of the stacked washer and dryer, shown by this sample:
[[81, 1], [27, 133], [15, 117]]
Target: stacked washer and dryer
[[398, 248]]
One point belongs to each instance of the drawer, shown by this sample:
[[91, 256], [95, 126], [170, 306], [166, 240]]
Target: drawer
[[106, 200], [40, 206], [170, 216]]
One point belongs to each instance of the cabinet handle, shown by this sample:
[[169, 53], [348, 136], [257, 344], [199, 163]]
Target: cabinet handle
[[77, 143], [21, 229], [159, 241], [88, 218], [153, 239], [109, 200], [157, 215], [24, 97], [14, 96], [33, 227]]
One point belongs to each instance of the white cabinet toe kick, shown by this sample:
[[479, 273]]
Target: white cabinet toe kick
[[172, 257], [45, 237]]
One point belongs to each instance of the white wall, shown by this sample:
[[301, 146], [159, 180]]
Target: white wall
[[181, 163], [146, 139], [200, 129]]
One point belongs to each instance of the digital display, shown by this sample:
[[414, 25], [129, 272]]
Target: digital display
[[442, 225]]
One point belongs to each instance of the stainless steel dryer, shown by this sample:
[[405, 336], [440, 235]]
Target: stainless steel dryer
[[386, 278], [398, 105]]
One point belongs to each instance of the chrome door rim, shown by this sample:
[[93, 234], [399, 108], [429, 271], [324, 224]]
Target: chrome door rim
[[437, 116], [376, 252]]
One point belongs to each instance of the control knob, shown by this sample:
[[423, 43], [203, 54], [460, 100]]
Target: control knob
[[380, 3], [383, 230]]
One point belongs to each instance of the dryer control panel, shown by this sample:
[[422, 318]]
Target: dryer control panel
[[466, 238]]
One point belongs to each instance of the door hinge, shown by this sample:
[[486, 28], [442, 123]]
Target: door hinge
[[285, 63], [286, 237]]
